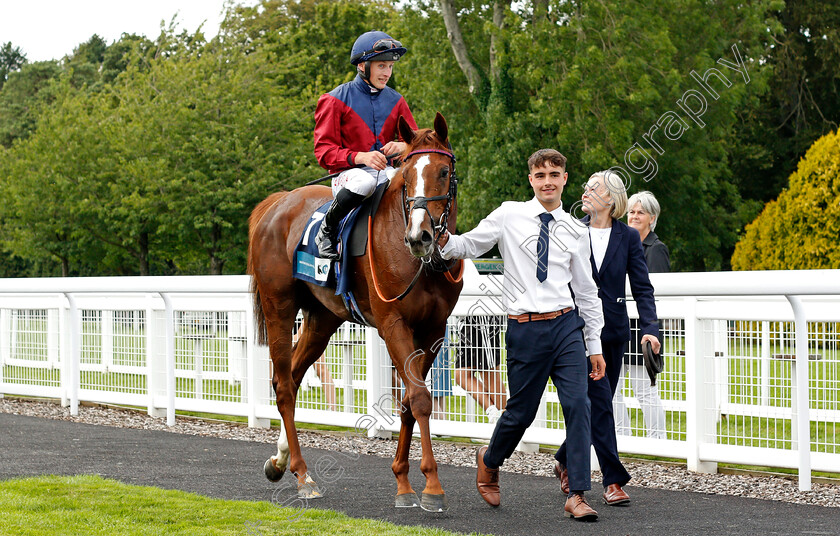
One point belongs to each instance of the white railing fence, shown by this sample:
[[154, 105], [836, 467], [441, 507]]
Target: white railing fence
[[752, 366]]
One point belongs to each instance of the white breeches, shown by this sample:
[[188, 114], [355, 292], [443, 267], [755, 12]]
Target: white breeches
[[648, 397], [362, 181]]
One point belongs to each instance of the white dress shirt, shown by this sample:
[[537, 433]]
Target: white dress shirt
[[515, 227]]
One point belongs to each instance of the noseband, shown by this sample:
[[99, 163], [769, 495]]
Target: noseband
[[411, 204]]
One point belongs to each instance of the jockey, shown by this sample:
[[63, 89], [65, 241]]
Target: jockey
[[356, 123]]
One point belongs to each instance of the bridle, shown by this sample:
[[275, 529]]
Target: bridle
[[411, 204], [434, 259]]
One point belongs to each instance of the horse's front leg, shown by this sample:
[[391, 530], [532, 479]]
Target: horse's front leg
[[406, 497], [412, 366], [433, 498]]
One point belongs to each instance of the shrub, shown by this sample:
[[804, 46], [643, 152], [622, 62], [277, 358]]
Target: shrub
[[801, 229]]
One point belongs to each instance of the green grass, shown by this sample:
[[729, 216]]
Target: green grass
[[31, 375], [93, 506], [775, 433]]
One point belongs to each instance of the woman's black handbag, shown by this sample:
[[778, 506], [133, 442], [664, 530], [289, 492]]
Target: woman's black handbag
[[653, 362]]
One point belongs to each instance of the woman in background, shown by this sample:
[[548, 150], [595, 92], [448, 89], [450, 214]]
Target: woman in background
[[642, 215]]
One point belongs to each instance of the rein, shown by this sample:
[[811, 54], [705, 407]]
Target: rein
[[420, 203]]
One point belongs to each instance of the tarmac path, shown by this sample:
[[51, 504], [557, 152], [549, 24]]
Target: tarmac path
[[363, 486]]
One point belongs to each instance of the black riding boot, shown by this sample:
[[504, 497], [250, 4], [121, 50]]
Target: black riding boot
[[327, 237]]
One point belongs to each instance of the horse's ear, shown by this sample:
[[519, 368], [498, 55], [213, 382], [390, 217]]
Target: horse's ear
[[441, 129], [406, 133]]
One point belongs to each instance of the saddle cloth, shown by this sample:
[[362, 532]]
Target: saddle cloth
[[308, 266]]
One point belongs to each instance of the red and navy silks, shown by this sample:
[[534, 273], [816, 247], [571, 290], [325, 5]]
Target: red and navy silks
[[351, 119]]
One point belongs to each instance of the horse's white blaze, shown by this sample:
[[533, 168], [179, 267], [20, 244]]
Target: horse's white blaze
[[417, 216], [281, 461]]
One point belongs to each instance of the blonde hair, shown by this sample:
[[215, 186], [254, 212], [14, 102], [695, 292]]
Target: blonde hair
[[616, 189], [649, 205]]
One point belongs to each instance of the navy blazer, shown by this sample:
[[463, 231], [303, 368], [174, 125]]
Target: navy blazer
[[624, 257]]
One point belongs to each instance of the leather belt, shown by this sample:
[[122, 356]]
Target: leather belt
[[533, 317]]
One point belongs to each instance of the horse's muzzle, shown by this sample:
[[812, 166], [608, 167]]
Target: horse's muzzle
[[422, 245]]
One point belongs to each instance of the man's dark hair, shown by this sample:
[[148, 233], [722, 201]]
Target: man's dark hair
[[546, 156]]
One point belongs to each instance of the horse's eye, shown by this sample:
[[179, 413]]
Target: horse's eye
[[444, 172]]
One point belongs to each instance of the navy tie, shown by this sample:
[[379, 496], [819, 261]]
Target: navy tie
[[542, 247]]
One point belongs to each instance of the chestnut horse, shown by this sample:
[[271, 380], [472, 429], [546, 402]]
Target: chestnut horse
[[402, 253]]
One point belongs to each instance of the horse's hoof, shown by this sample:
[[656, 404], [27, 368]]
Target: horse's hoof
[[434, 503], [309, 489], [407, 500], [272, 472]]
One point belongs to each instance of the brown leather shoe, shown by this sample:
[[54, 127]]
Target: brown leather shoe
[[614, 495], [562, 473], [487, 480], [577, 508]]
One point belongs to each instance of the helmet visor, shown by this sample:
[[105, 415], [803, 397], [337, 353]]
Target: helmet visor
[[384, 44]]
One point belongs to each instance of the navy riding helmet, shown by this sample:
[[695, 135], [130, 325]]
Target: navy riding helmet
[[376, 45]]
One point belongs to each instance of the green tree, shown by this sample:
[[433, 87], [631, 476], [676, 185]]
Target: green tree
[[802, 101], [57, 178], [23, 97], [157, 171], [800, 229], [591, 79], [230, 139], [11, 59]]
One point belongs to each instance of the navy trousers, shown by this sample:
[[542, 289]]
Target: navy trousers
[[603, 422], [614, 357], [537, 351]]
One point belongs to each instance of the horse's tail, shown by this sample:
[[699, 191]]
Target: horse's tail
[[253, 223], [259, 316]]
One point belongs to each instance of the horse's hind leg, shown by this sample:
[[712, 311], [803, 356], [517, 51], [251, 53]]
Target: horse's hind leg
[[319, 325], [279, 331]]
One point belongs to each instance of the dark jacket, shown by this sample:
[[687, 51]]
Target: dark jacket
[[624, 257], [657, 256]]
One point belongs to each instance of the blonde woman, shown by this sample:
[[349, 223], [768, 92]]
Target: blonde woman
[[616, 254]]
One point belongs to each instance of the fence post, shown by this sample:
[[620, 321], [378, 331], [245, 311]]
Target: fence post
[[801, 396], [107, 339], [5, 344], [765, 363], [75, 326], [347, 367], [255, 361], [65, 352], [695, 389], [153, 369], [170, 360], [376, 393]]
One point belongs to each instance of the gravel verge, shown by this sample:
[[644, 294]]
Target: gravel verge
[[674, 477]]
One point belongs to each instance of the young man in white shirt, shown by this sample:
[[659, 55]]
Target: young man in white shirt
[[546, 257]]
